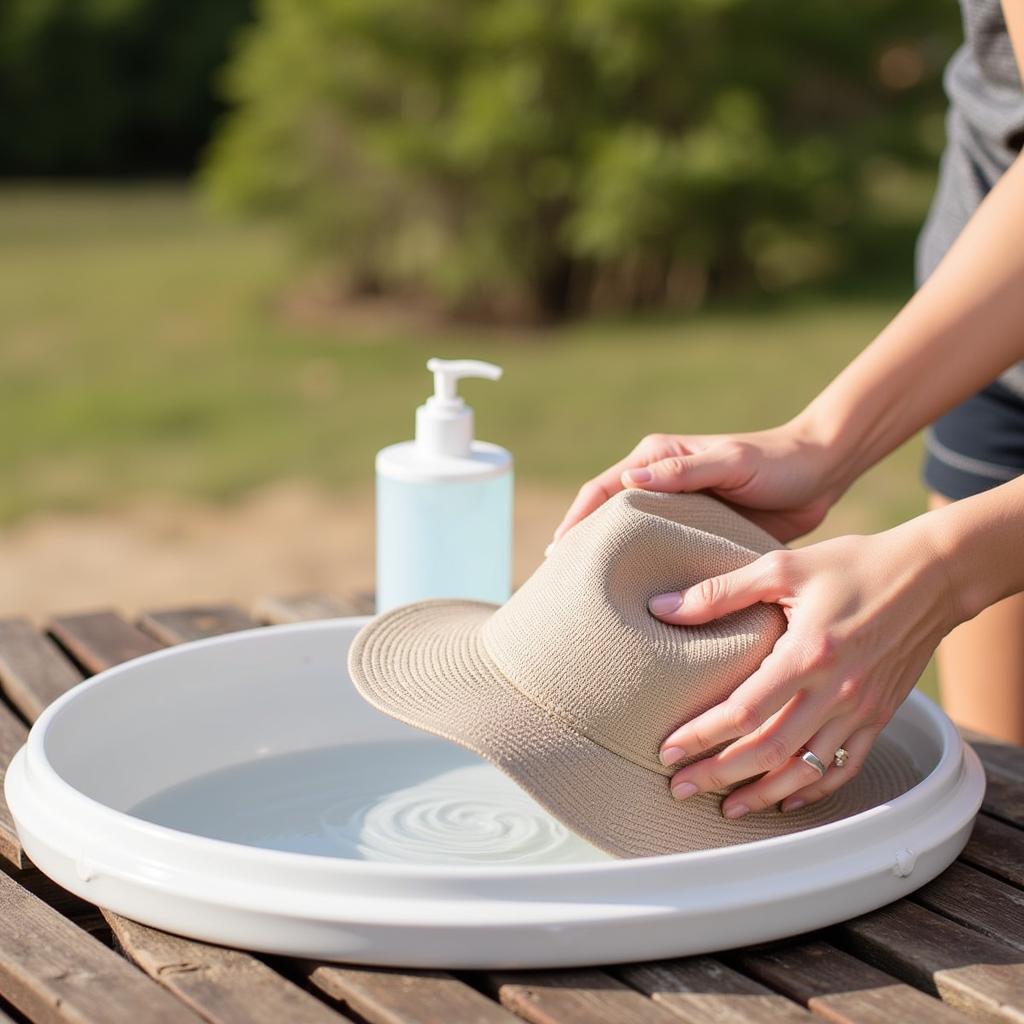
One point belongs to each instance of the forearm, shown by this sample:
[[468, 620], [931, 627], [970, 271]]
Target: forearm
[[981, 543], [962, 328]]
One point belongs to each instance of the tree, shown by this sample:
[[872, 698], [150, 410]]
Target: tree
[[110, 87], [555, 156]]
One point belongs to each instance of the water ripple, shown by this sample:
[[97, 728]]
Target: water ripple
[[449, 818]]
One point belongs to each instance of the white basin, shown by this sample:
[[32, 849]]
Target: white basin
[[240, 791]]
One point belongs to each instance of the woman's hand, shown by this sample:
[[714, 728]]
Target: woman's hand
[[865, 615], [783, 479]]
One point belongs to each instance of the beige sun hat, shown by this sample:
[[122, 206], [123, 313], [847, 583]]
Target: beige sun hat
[[571, 686]]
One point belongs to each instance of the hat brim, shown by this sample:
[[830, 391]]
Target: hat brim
[[425, 664]]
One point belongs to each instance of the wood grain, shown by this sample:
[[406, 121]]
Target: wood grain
[[305, 607], [33, 671], [978, 901], [13, 733], [1004, 797], [700, 989], [381, 995], [76, 909], [576, 997], [99, 640], [997, 848], [841, 988], [1004, 774], [51, 970], [224, 985], [178, 625], [1006, 758], [970, 971]]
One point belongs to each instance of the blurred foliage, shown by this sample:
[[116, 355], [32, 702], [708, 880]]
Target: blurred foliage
[[523, 156], [109, 86]]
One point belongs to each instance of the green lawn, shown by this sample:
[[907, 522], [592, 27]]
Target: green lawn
[[144, 350]]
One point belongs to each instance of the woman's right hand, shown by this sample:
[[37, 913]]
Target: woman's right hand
[[783, 479]]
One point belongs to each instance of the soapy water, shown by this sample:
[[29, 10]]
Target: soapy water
[[420, 801]]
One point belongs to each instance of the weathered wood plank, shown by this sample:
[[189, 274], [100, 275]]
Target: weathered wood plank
[[223, 985], [1004, 772], [51, 970], [974, 899], [997, 848], [178, 625], [77, 910], [1004, 797], [12, 735], [98, 640], [304, 607], [970, 971], [839, 987], [1007, 758], [700, 989], [33, 672], [380, 995], [576, 997]]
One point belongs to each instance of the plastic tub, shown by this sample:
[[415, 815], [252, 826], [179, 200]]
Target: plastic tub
[[246, 745]]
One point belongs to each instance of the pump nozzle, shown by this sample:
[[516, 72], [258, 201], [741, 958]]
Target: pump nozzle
[[444, 423], [448, 372]]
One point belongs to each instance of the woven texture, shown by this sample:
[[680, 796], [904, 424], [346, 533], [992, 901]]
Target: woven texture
[[572, 685]]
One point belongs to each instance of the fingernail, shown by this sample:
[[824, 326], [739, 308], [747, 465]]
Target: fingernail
[[638, 476], [683, 790], [735, 810], [549, 549], [665, 603], [793, 805], [671, 755]]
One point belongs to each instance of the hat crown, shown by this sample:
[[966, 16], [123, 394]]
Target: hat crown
[[578, 639]]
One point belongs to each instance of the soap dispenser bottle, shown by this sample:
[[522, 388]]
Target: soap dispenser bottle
[[444, 502]]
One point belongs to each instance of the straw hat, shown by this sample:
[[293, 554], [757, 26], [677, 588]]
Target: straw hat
[[571, 686]]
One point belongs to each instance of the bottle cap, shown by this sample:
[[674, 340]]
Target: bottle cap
[[444, 423]]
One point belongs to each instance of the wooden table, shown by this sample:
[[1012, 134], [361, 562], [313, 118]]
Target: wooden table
[[953, 951]]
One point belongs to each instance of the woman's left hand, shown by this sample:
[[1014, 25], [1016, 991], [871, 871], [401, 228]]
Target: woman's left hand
[[865, 614]]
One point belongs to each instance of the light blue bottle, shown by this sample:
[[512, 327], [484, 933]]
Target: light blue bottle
[[444, 503]]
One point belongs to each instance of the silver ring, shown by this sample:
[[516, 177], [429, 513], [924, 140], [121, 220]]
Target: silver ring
[[812, 759], [840, 758]]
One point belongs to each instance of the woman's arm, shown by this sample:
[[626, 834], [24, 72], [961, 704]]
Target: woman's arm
[[962, 328]]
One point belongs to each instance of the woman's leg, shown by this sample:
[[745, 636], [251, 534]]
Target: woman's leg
[[981, 667]]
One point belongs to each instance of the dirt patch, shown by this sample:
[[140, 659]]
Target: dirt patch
[[157, 553]]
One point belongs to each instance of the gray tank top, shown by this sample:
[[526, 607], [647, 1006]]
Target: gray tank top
[[984, 134]]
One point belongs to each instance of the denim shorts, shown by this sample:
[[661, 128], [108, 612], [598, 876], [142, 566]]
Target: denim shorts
[[980, 443]]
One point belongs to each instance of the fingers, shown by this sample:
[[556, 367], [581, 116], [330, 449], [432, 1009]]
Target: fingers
[[762, 750], [794, 774], [749, 707], [857, 745], [717, 466], [763, 580], [660, 462]]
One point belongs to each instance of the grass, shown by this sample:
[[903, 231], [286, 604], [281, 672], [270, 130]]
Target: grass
[[145, 351]]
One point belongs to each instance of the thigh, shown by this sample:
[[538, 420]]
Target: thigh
[[981, 667]]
